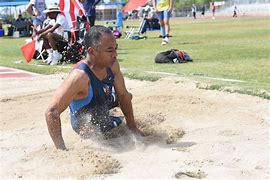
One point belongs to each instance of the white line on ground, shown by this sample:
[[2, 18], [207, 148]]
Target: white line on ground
[[223, 79], [206, 77], [163, 73]]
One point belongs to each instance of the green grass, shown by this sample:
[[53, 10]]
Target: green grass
[[237, 49]]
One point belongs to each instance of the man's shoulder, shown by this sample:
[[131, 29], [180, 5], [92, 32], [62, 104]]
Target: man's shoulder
[[78, 74], [77, 78]]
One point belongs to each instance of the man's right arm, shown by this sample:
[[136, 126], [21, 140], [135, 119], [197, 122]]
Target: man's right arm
[[29, 9], [48, 29], [73, 85]]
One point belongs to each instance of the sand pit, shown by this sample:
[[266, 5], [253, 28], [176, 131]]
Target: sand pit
[[191, 133]]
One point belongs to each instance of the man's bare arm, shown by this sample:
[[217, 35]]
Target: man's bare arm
[[68, 91], [43, 30], [49, 29], [29, 9], [124, 98]]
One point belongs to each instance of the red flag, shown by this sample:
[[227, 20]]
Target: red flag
[[28, 50], [71, 9]]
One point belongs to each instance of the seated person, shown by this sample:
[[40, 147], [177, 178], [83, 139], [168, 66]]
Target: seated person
[[20, 18], [152, 18], [29, 26], [53, 33], [152, 14], [20, 24]]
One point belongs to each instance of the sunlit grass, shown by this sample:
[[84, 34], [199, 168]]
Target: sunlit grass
[[237, 49]]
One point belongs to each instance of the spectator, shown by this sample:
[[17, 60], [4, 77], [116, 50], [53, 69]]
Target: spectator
[[90, 9], [152, 20], [213, 9], [21, 25], [36, 8], [203, 10], [235, 11], [152, 14], [53, 33], [20, 18], [164, 9], [193, 10]]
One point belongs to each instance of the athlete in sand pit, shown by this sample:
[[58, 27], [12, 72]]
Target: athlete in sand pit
[[92, 88]]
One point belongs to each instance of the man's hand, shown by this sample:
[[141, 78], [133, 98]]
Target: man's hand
[[61, 146], [137, 132], [41, 35]]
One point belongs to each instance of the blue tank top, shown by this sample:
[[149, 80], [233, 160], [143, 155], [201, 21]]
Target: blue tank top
[[94, 109]]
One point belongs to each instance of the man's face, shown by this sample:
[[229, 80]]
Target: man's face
[[52, 15], [106, 52]]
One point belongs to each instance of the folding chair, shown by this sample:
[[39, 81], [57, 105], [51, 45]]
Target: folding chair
[[40, 51], [135, 30], [41, 55]]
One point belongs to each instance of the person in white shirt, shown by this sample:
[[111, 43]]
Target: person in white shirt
[[53, 32], [193, 10], [35, 8]]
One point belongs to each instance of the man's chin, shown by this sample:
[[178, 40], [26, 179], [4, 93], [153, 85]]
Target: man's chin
[[113, 62]]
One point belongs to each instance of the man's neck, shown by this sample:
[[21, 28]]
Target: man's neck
[[100, 72]]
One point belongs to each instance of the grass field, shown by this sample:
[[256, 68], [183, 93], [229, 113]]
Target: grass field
[[229, 54]]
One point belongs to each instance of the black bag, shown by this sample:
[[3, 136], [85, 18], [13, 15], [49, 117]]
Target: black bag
[[173, 56], [73, 53]]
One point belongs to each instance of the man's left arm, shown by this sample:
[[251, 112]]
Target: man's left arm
[[124, 98]]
